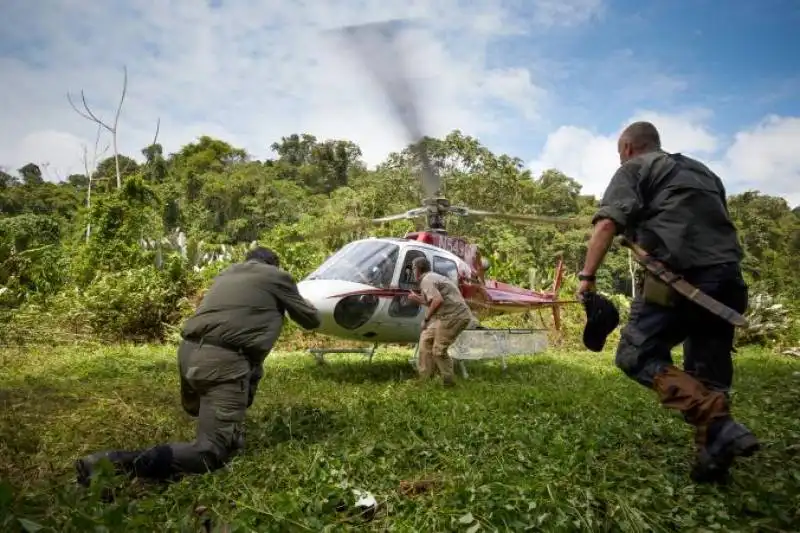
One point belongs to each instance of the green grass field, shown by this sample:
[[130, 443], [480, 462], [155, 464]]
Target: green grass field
[[562, 442]]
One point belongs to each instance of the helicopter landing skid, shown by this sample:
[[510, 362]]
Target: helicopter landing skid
[[319, 353]]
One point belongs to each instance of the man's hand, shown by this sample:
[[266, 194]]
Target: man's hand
[[584, 287], [416, 298]]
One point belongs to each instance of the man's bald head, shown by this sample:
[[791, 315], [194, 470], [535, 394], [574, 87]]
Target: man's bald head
[[638, 138]]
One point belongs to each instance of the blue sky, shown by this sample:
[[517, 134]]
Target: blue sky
[[742, 61], [549, 81]]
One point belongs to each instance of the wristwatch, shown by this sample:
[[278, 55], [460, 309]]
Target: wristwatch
[[586, 277]]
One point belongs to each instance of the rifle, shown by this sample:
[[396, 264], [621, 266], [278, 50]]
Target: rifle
[[681, 286]]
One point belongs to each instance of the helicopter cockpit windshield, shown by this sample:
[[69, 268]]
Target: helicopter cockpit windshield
[[369, 262]]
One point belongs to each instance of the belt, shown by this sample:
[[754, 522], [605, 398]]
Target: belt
[[216, 343]]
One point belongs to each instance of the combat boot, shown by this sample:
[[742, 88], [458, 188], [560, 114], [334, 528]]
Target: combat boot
[[701, 431], [153, 463], [726, 440], [122, 461], [718, 438]]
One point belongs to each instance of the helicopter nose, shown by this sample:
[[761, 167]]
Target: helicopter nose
[[343, 314], [318, 295]]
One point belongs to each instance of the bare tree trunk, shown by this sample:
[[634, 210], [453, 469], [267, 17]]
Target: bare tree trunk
[[89, 115], [88, 194], [89, 178], [158, 129]]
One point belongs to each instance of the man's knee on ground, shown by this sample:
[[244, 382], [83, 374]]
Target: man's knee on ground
[[215, 456]]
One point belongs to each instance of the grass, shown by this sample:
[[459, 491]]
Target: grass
[[562, 442]]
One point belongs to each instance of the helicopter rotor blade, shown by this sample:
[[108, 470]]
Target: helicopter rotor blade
[[411, 213], [376, 46], [351, 224], [465, 211]]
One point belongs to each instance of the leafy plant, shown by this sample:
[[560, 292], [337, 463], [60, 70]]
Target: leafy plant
[[138, 304], [769, 321]]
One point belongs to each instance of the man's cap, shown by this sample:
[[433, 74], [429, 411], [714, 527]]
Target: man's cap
[[264, 255], [601, 319]]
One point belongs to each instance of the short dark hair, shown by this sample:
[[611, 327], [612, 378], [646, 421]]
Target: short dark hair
[[643, 136], [264, 255], [422, 264]]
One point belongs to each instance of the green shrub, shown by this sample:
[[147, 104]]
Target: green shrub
[[139, 304], [32, 261], [770, 322]]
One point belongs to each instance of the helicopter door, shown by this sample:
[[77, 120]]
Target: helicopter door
[[401, 306], [445, 267]]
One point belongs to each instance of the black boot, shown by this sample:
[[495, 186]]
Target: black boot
[[726, 440], [154, 463], [122, 461]]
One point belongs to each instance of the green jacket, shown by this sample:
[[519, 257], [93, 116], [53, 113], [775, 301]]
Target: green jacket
[[245, 306], [675, 208]]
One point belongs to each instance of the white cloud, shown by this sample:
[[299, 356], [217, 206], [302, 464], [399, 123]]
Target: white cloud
[[764, 157], [592, 157], [767, 157], [249, 72]]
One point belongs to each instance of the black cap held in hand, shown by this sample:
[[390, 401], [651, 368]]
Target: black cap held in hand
[[601, 319]]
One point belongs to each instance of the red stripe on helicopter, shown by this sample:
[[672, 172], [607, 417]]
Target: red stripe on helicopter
[[495, 296]]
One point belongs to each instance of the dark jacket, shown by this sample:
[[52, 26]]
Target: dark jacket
[[245, 306], [675, 208]]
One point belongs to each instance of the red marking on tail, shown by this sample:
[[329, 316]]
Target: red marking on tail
[[556, 286]]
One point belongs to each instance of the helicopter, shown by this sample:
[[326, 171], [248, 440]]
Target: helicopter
[[361, 291]]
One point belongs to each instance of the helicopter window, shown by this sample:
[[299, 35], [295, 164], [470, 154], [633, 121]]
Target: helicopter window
[[445, 267], [407, 280], [368, 262], [401, 306]]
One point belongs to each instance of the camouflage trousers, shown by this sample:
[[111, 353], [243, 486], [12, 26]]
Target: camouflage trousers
[[433, 344]]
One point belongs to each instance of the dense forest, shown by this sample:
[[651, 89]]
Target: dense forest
[[122, 251]]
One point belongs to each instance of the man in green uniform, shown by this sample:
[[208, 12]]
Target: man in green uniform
[[221, 362], [675, 208], [446, 316]]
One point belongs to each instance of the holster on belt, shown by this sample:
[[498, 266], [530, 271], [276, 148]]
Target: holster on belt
[[657, 292]]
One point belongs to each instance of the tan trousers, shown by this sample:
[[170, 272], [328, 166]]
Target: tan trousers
[[433, 344]]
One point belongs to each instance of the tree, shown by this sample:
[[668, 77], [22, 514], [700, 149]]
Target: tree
[[89, 169], [112, 129], [7, 180], [31, 174]]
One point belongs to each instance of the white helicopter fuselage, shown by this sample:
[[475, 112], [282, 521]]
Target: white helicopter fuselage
[[374, 263]]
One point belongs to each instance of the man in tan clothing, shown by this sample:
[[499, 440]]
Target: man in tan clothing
[[446, 316]]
